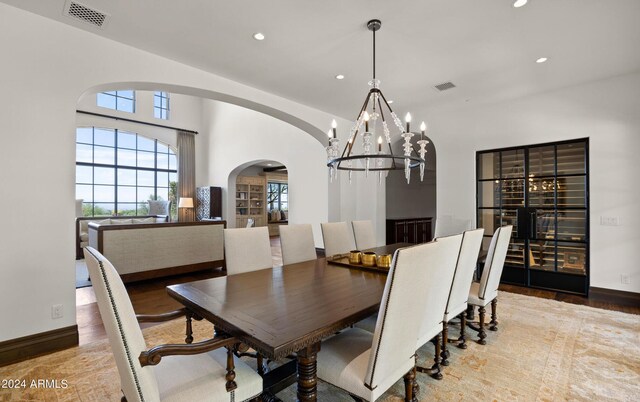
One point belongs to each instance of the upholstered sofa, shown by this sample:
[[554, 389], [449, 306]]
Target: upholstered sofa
[[82, 226], [277, 218], [145, 251]]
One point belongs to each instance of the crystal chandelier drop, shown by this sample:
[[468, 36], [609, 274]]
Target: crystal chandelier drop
[[374, 121]]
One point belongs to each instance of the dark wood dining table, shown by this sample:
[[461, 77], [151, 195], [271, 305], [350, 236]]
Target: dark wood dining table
[[288, 309]]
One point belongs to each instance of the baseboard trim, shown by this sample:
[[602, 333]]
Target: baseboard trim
[[615, 296], [27, 347]]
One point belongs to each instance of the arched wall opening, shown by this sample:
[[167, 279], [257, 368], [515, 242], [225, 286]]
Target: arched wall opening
[[234, 133], [242, 138], [260, 206]]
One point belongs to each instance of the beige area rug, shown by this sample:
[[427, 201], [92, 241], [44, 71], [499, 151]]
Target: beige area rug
[[544, 351]]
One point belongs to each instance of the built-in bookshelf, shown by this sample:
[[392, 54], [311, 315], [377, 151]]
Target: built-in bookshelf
[[251, 200], [542, 190]]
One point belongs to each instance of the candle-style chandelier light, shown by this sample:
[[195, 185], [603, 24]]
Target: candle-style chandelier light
[[375, 115]]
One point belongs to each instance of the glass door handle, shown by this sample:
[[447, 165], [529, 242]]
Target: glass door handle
[[532, 225]]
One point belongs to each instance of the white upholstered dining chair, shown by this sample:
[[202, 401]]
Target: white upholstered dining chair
[[297, 243], [439, 269], [486, 291], [247, 249], [367, 364], [364, 234], [338, 238], [191, 372], [457, 301]]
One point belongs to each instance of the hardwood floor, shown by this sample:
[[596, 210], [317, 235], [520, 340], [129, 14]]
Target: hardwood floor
[[596, 299], [150, 297]]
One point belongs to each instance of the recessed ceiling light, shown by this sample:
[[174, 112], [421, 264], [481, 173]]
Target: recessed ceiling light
[[519, 3], [339, 77], [258, 36], [390, 102], [541, 60]]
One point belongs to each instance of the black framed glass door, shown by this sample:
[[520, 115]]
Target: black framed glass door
[[542, 190]]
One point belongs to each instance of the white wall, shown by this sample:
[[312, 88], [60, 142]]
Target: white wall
[[414, 200], [418, 198], [46, 67], [239, 136], [607, 111]]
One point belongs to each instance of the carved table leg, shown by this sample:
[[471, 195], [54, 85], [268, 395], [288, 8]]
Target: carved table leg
[[493, 324], [445, 337], [463, 326], [481, 333], [307, 375]]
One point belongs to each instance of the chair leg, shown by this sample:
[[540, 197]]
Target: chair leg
[[189, 331], [416, 386], [463, 326], [470, 313], [493, 324], [436, 373], [260, 365], [445, 337], [481, 333], [409, 386]]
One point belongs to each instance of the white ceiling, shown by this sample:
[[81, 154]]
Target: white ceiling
[[486, 48]]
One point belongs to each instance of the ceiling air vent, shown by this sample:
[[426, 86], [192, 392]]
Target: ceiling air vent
[[85, 14], [444, 86]]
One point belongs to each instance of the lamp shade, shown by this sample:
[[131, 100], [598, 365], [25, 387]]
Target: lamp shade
[[186, 202]]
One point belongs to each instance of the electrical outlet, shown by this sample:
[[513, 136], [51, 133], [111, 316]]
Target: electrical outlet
[[57, 311], [609, 221], [625, 279]]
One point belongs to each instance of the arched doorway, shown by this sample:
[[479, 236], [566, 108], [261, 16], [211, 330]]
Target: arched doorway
[[258, 195]]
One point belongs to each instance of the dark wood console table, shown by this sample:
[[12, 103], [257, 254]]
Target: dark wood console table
[[409, 230]]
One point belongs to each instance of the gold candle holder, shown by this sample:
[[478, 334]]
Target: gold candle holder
[[355, 257], [369, 259], [383, 261]]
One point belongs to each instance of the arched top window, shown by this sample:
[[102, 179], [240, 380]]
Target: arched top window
[[118, 171], [124, 100]]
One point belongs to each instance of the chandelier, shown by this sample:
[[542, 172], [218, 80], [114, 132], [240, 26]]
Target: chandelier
[[376, 116]]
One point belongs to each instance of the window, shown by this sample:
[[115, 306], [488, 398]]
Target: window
[[118, 171], [278, 196], [161, 105], [124, 101]]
